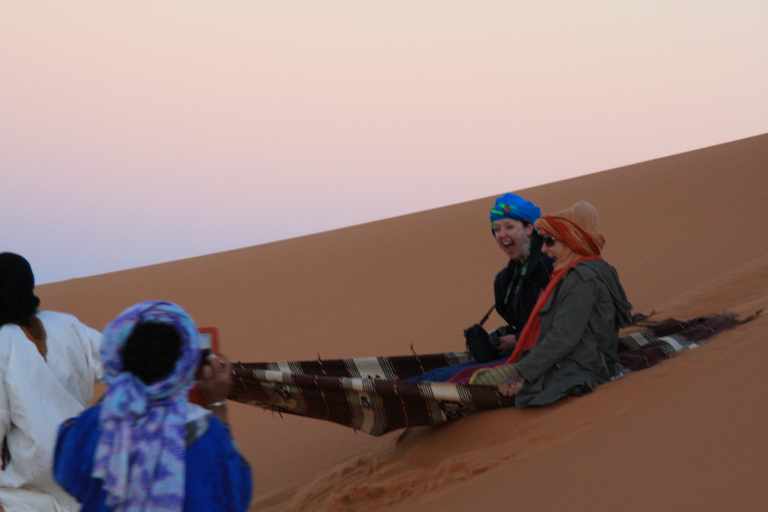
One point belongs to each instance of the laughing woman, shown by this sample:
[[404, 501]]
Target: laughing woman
[[516, 288], [570, 342]]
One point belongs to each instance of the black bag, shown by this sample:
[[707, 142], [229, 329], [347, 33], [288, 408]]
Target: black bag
[[479, 342]]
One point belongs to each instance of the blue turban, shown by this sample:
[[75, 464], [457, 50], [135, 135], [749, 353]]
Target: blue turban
[[512, 206]]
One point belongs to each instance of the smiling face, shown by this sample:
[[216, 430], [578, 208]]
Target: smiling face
[[558, 251], [513, 237], [552, 247]]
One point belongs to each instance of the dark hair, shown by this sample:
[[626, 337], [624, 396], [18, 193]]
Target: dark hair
[[151, 351], [18, 302]]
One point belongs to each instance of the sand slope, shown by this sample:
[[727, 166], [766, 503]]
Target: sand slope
[[687, 235], [688, 434]]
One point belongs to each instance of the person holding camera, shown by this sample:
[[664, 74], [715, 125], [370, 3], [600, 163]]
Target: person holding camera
[[145, 446], [516, 287]]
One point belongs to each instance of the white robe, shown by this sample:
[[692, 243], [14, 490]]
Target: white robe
[[36, 396]]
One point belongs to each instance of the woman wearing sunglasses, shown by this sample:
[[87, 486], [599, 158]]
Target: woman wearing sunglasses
[[569, 343]]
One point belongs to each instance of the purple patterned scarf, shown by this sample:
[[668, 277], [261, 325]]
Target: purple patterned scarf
[[141, 448]]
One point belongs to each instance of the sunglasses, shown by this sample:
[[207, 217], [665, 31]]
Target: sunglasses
[[548, 240]]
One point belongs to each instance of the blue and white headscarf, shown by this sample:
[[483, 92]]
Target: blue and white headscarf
[[141, 448]]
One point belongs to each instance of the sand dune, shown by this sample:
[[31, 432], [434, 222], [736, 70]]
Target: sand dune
[[688, 434], [687, 235]]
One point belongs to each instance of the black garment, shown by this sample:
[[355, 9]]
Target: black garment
[[518, 286]]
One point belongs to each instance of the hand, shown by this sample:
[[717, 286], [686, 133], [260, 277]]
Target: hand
[[512, 384], [216, 383], [507, 342]]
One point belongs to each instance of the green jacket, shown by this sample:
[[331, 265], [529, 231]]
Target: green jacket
[[577, 345]]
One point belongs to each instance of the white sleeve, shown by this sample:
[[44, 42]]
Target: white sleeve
[[93, 340], [5, 404]]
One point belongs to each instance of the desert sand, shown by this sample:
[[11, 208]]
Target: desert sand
[[687, 234]]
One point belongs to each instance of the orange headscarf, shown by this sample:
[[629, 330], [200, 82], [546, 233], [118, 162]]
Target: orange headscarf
[[576, 227]]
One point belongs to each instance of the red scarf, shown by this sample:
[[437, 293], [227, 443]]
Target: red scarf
[[530, 333]]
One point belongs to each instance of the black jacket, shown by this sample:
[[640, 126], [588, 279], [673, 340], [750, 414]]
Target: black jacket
[[517, 287]]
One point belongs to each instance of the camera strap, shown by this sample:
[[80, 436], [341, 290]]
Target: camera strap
[[487, 314]]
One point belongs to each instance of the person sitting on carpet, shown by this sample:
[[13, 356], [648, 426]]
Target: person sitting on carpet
[[145, 447], [49, 363], [569, 344], [517, 287]]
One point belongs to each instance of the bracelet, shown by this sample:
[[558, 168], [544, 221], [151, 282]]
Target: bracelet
[[218, 404]]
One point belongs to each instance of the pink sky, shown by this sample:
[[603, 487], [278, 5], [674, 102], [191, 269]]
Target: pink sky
[[138, 132]]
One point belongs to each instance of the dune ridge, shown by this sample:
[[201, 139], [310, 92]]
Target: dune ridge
[[687, 236]]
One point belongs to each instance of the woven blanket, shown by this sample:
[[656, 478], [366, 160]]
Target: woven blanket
[[664, 339], [369, 394]]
